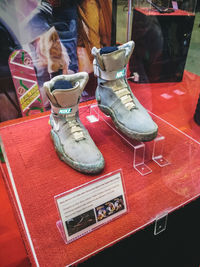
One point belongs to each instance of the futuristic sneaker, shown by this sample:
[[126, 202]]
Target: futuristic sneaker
[[71, 139], [114, 95]]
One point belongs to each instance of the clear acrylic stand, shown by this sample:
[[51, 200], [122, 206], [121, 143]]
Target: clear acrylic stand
[[157, 154], [61, 230], [138, 147], [139, 158], [94, 114], [160, 223]]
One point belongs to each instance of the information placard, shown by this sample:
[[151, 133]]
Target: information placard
[[88, 207]]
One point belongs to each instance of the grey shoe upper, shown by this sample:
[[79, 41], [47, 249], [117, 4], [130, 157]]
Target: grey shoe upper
[[78, 148], [115, 97]]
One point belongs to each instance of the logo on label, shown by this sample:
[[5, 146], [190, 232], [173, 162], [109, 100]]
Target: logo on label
[[65, 111], [120, 74]]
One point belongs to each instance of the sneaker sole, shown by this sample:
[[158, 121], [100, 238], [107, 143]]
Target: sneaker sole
[[86, 169], [144, 137]]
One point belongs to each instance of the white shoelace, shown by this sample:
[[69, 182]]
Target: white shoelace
[[76, 130], [125, 96]]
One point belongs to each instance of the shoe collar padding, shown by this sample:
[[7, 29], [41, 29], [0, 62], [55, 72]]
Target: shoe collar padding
[[66, 98], [116, 60]]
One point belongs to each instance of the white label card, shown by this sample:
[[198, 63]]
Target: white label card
[[84, 209]]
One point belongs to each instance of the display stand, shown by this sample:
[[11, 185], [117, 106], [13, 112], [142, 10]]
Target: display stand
[[160, 223], [139, 159], [61, 230], [157, 154], [139, 148], [33, 166]]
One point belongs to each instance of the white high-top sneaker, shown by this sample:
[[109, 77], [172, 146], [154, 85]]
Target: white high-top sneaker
[[114, 95], [71, 140]]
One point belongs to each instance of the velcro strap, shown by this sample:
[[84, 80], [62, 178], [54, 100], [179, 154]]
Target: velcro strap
[[67, 111], [108, 76]]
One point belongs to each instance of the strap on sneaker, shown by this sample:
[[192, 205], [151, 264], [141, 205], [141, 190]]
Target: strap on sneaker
[[66, 111], [108, 76]]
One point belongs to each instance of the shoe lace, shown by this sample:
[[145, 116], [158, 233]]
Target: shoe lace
[[125, 96], [76, 130]]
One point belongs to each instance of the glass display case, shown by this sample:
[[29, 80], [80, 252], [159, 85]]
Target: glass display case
[[162, 32], [166, 6], [67, 212]]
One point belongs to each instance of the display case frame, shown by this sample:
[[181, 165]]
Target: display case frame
[[33, 173]]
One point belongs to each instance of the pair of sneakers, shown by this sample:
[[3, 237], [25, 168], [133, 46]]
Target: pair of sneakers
[[115, 98]]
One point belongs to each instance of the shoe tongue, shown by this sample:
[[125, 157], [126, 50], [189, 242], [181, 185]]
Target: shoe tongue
[[61, 84], [114, 60], [67, 97]]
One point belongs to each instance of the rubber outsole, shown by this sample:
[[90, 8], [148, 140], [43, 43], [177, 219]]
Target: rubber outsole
[[83, 168], [144, 137]]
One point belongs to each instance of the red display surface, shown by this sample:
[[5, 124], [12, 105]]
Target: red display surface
[[39, 175], [154, 12], [12, 250], [175, 103]]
